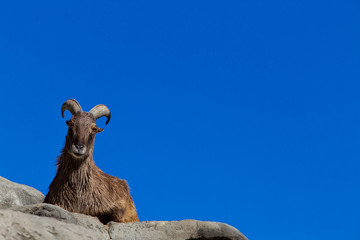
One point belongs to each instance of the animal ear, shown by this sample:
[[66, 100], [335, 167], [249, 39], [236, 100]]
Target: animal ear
[[69, 123], [99, 130]]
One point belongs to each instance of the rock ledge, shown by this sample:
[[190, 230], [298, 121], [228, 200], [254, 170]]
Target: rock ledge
[[24, 216]]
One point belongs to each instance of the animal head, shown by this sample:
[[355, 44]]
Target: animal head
[[82, 127]]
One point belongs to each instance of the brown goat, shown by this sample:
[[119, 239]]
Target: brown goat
[[79, 185]]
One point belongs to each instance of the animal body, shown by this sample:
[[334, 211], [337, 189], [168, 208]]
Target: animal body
[[79, 185]]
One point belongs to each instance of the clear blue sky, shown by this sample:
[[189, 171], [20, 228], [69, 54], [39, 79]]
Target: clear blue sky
[[244, 112]]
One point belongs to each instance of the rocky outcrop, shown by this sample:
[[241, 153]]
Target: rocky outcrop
[[13, 194], [98, 230], [177, 230], [24, 216], [18, 226]]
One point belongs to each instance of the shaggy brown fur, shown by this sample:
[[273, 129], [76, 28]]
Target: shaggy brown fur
[[80, 186]]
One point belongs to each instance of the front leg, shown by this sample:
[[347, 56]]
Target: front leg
[[115, 215]]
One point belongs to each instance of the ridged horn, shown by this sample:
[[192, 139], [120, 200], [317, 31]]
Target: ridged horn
[[72, 106], [100, 111]]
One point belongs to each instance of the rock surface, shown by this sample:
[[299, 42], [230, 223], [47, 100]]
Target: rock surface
[[60, 214], [24, 216], [13, 194], [175, 230], [17, 225]]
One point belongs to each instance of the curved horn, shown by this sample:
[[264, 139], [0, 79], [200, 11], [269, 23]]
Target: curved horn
[[99, 111], [72, 106]]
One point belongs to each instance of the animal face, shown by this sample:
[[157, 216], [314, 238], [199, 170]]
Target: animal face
[[81, 134]]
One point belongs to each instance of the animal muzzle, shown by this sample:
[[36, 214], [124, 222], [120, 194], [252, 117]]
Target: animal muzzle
[[78, 149]]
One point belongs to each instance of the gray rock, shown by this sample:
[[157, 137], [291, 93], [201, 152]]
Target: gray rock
[[175, 230], [17, 226], [13, 194], [56, 212], [28, 218]]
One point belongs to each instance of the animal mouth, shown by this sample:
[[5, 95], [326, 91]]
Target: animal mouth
[[78, 152]]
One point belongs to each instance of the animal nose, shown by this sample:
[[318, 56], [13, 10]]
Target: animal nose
[[79, 146]]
